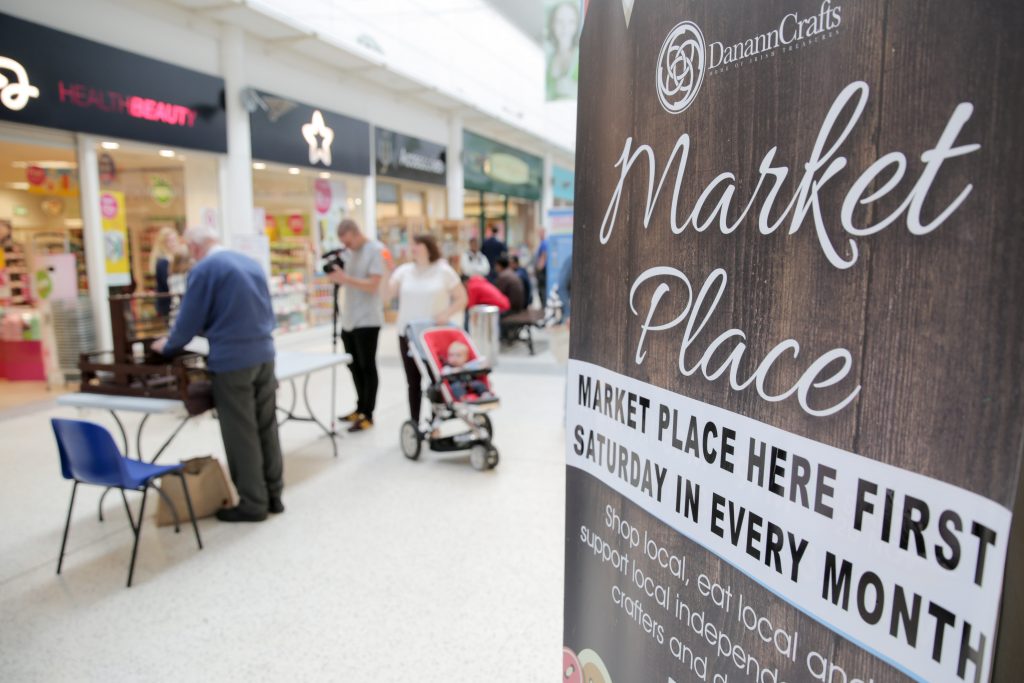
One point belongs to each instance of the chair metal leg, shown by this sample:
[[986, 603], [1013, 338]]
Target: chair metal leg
[[138, 532], [67, 525], [191, 512], [127, 510], [102, 496]]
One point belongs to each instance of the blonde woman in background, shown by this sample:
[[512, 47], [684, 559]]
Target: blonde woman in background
[[166, 247]]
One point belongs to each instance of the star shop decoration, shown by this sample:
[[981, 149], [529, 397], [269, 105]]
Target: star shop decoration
[[319, 137]]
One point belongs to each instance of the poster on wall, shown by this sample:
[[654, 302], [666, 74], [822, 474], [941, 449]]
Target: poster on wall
[[562, 21], [54, 277], [794, 406], [115, 239]]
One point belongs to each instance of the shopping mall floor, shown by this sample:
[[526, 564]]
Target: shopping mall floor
[[381, 569]]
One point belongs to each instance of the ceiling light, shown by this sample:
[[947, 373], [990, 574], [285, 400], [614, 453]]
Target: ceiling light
[[110, 145], [293, 170], [47, 164], [325, 175], [359, 202], [259, 165], [166, 153]]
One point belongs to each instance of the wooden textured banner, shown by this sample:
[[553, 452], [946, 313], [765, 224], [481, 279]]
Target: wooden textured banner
[[794, 411]]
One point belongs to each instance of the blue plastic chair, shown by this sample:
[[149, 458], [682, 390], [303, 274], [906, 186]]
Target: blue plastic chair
[[88, 455]]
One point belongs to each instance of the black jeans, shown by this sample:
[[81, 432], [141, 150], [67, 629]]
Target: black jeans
[[361, 344], [413, 377]]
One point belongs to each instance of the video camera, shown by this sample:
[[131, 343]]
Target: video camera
[[331, 260]]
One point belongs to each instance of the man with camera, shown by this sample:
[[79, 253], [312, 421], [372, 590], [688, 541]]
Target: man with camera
[[359, 272]]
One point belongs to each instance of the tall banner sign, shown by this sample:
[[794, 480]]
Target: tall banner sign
[[795, 407], [115, 239]]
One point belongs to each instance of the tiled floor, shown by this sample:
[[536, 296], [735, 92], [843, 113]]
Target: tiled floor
[[381, 569], [22, 395]]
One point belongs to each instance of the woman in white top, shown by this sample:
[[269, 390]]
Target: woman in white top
[[428, 289]]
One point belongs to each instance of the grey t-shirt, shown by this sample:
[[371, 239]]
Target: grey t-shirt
[[363, 309]]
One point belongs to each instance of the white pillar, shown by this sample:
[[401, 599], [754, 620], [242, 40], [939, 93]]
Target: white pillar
[[547, 193], [455, 177], [370, 206], [238, 204], [92, 240], [223, 173]]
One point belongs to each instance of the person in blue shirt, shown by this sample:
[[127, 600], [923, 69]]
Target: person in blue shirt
[[565, 289], [228, 302]]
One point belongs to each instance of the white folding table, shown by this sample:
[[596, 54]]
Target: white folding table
[[289, 366]]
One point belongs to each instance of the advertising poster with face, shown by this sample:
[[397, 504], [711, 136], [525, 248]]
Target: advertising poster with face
[[794, 410]]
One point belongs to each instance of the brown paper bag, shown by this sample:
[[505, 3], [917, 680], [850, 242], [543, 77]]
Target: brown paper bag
[[208, 487]]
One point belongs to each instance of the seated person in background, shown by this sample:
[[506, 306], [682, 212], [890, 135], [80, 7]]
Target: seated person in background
[[473, 261], [458, 361], [509, 284], [480, 292], [525, 277]]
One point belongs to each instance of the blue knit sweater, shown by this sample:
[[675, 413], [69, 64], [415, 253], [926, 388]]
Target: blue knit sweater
[[227, 301]]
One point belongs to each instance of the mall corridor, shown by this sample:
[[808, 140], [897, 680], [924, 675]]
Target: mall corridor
[[380, 568]]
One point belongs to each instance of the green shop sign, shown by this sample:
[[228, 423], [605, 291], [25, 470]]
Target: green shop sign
[[490, 166]]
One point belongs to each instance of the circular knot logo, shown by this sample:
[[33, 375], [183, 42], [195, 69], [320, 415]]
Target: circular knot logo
[[681, 67]]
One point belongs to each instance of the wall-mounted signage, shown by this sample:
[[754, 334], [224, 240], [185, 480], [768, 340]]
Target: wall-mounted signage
[[563, 184], [115, 238], [794, 415], [289, 132], [403, 156], [493, 167], [57, 80]]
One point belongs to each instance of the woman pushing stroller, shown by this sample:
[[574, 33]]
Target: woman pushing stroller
[[430, 294], [428, 289]]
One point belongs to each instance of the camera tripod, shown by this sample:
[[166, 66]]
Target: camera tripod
[[335, 336]]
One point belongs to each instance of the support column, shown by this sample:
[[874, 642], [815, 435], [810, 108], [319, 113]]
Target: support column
[[455, 176], [370, 207], [238, 204], [92, 239]]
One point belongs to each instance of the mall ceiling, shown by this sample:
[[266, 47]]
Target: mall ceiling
[[527, 15]]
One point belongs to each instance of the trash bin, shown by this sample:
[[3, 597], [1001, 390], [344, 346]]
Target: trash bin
[[485, 331]]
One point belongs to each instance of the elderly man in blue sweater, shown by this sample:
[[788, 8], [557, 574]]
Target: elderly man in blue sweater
[[228, 302]]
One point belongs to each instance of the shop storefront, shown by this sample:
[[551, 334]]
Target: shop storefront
[[412, 196], [100, 149], [310, 170], [503, 186]]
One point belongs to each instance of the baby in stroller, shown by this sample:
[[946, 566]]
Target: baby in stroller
[[458, 390], [464, 388]]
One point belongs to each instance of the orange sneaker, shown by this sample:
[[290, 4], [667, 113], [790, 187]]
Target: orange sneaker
[[361, 423]]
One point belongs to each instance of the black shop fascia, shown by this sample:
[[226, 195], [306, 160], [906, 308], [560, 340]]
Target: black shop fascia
[[288, 132], [53, 79]]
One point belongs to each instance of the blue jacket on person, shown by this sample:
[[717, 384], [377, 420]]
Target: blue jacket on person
[[228, 302]]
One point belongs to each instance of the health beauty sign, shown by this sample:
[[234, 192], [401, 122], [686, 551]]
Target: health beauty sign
[[794, 411]]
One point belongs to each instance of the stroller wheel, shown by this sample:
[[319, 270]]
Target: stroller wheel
[[484, 423], [411, 440], [478, 457], [492, 458]]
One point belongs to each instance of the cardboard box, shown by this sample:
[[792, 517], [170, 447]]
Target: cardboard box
[[208, 486]]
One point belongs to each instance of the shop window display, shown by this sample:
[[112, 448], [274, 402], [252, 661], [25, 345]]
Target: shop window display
[[146, 193], [41, 257], [302, 209]]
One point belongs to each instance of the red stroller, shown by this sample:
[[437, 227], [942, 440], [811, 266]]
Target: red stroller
[[454, 395]]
